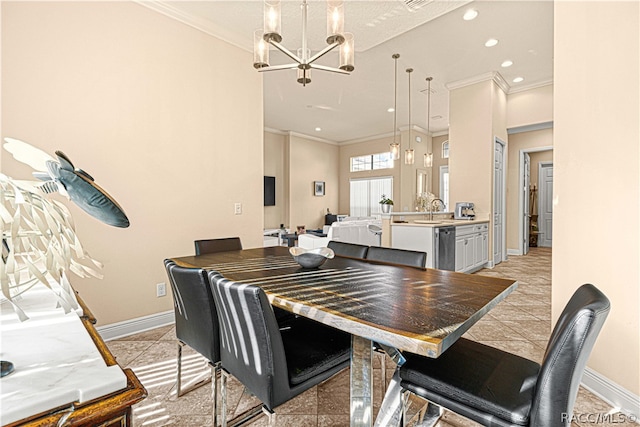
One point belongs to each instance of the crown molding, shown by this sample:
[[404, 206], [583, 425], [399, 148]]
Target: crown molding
[[440, 133], [530, 86], [311, 138], [276, 131], [494, 76], [530, 128], [199, 24], [368, 138]]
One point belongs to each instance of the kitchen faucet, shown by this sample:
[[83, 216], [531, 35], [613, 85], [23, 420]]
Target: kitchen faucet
[[431, 207]]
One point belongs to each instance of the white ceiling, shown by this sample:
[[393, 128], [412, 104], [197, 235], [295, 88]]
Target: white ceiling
[[434, 40]]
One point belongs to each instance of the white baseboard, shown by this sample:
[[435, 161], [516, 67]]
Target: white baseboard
[[135, 326], [612, 393], [514, 252]]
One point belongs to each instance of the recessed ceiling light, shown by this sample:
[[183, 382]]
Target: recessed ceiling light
[[518, 79], [491, 42], [318, 129], [470, 15], [507, 63], [390, 110]]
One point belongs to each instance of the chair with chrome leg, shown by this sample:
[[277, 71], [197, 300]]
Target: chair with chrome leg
[[397, 256], [352, 250], [496, 388], [209, 246], [196, 322], [273, 364]]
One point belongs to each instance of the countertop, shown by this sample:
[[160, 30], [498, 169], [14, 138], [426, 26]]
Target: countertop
[[441, 223], [56, 361]]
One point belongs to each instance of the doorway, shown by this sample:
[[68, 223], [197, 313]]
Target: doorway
[[526, 205], [499, 201], [545, 217]]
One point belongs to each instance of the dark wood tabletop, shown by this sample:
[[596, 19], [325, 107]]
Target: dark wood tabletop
[[422, 311]]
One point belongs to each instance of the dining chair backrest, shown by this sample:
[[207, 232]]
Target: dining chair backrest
[[250, 342], [568, 350], [352, 250], [209, 246], [397, 256], [274, 364], [195, 310]]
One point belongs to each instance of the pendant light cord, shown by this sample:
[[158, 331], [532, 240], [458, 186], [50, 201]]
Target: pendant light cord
[[428, 103], [395, 56], [409, 71]]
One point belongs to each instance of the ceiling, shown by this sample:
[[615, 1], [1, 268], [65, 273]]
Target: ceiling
[[433, 39]]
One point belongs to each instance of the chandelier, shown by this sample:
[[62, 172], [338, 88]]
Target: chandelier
[[303, 60]]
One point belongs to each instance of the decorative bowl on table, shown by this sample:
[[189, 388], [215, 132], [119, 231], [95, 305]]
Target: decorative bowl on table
[[311, 258]]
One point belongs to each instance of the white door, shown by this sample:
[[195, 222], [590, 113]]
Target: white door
[[545, 214], [498, 202], [526, 207]]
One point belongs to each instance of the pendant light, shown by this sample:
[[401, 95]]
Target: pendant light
[[394, 147], [428, 157], [408, 153]]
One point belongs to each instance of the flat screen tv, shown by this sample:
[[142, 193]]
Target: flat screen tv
[[269, 190]]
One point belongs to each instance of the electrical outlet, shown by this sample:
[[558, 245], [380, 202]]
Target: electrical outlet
[[161, 289], [237, 208]]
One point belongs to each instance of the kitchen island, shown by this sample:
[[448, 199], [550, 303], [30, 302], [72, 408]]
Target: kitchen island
[[418, 231]]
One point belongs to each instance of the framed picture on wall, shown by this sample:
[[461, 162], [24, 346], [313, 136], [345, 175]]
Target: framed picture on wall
[[318, 188]]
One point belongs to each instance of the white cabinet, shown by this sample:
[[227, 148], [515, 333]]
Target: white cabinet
[[414, 238], [472, 247]]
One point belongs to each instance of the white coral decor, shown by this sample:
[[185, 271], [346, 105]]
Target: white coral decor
[[39, 245]]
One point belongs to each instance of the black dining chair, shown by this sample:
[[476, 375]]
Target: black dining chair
[[497, 388], [196, 322], [274, 365], [351, 250], [209, 246], [397, 256]]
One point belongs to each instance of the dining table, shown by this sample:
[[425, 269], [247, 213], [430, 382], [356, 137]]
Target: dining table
[[398, 308]]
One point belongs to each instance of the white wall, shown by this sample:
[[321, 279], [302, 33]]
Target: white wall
[[166, 118], [597, 173]]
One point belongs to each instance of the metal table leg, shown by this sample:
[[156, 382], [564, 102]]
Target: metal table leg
[[361, 382]]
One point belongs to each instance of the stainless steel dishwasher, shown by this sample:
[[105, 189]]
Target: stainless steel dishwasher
[[445, 248]]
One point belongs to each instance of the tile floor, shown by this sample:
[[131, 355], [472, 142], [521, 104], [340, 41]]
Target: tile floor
[[520, 324]]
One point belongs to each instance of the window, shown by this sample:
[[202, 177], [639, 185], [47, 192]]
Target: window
[[445, 149], [365, 195], [444, 186], [372, 162]]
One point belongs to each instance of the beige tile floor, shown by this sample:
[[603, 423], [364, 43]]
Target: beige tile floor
[[520, 324]]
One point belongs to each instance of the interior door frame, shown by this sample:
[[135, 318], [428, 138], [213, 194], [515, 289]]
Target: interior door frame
[[541, 166], [503, 203], [520, 249]]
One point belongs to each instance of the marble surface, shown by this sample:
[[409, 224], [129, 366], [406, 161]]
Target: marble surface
[[440, 223], [56, 362]]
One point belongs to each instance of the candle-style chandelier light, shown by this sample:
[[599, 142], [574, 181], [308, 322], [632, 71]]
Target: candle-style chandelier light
[[304, 61]]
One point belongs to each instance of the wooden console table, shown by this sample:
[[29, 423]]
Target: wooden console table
[[109, 409]]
